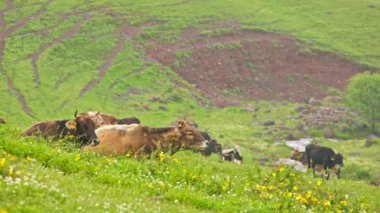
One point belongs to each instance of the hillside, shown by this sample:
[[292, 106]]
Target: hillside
[[231, 66]]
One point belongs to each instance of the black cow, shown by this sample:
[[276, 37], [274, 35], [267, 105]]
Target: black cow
[[212, 147], [324, 156], [232, 155], [128, 121]]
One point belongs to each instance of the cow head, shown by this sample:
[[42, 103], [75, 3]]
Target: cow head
[[83, 128], [233, 155], [339, 159], [190, 137]]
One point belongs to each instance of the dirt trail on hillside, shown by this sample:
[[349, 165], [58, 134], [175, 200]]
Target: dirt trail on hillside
[[6, 31], [124, 32], [250, 65], [66, 36]]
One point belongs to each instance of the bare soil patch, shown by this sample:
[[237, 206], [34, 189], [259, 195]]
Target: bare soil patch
[[249, 65]]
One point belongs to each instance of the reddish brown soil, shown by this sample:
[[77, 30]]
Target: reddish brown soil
[[250, 65]]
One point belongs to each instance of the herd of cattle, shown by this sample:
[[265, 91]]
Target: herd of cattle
[[108, 135]]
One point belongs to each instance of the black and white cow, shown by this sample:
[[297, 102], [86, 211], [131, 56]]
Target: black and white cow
[[328, 158]]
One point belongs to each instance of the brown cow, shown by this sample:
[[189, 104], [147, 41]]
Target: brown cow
[[81, 128], [53, 128], [137, 139], [2, 121], [101, 119]]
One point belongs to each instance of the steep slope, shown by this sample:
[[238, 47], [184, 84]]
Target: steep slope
[[57, 56]]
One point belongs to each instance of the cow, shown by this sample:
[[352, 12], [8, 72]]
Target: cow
[[128, 121], [81, 128], [101, 119], [51, 128], [136, 139], [2, 121], [233, 155], [328, 158], [212, 147]]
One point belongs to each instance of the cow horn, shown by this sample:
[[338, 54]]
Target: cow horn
[[75, 114]]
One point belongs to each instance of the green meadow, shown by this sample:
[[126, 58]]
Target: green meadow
[[79, 42]]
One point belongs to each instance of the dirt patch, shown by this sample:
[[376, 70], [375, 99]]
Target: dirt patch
[[247, 65]]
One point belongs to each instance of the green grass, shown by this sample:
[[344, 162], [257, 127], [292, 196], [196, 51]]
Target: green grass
[[33, 169]]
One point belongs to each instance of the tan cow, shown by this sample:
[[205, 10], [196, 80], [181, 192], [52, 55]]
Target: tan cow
[[99, 119], [137, 139]]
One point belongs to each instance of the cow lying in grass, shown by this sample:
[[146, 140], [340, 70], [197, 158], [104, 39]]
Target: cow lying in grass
[[136, 139], [328, 158], [81, 128], [101, 119]]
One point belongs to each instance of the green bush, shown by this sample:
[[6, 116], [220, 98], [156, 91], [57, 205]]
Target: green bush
[[363, 94]]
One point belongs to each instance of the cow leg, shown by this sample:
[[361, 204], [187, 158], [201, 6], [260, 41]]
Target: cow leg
[[326, 173], [308, 161], [337, 172], [313, 166]]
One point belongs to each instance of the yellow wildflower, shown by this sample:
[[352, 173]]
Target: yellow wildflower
[[162, 156], [271, 187], [319, 182], [327, 203], [175, 160], [2, 162], [274, 174], [290, 194], [282, 169], [295, 188], [11, 171], [343, 203], [3, 211], [77, 156], [308, 194]]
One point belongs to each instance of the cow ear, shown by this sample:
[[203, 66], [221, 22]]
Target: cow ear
[[71, 124]]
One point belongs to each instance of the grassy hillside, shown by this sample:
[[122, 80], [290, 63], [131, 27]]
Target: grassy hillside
[[38, 175], [57, 56]]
